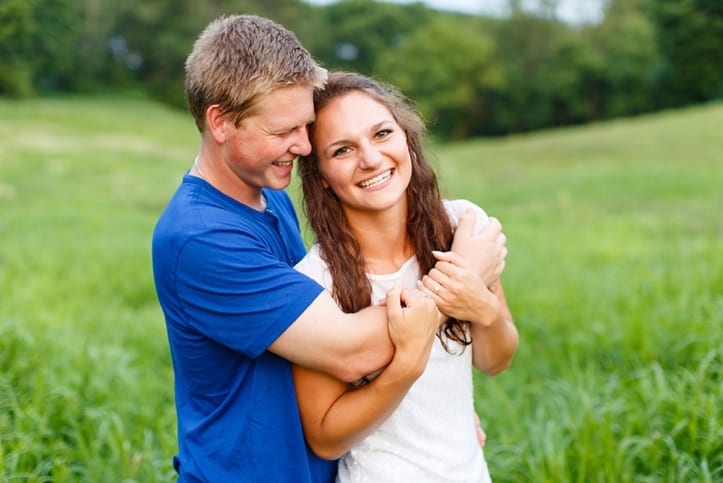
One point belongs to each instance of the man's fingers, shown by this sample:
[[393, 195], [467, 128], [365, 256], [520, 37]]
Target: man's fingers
[[500, 267], [448, 258], [467, 221], [494, 224], [501, 239]]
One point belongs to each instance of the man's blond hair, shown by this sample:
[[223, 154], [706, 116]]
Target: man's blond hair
[[237, 59]]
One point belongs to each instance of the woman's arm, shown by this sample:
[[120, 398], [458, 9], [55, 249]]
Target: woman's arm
[[335, 419], [461, 292], [494, 341]]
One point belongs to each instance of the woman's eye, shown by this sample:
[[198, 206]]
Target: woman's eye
[[341, 151], [383, 133]]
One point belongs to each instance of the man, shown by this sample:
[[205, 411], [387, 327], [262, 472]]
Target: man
[[223, 251]]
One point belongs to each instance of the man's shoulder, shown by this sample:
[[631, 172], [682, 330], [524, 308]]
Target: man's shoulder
[[279, 199]]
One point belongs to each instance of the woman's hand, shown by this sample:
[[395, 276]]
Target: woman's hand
[[460, 292], [413, 321], [481, 435]]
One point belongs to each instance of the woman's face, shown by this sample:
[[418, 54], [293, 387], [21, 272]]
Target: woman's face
[[362, 151]]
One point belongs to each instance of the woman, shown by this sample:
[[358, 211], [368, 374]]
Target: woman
[[373, 202]]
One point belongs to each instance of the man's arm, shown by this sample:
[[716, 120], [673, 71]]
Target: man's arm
[[346, 346], [350, 346]]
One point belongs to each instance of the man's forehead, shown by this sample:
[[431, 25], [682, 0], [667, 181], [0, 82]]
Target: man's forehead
[[286, 107]]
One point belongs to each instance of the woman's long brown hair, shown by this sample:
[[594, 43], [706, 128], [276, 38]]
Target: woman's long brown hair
[[428, 225]]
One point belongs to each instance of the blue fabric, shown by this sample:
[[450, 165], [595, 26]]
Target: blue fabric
[[225, 280]]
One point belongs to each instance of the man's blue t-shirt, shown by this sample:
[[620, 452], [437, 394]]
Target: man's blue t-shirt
[[225, 280]]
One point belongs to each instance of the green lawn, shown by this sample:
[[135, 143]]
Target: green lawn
[[615, 279]]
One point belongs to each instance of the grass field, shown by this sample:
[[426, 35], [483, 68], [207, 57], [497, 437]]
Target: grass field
[[615, 279]]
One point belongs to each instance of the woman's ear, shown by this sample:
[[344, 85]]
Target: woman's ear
[[216, 122]]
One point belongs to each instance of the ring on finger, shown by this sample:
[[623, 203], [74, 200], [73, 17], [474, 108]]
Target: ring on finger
[[437, 288]]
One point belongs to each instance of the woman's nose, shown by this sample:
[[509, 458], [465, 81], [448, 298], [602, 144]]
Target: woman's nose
[[370, 157]]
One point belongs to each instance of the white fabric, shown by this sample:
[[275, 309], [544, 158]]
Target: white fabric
[[431, 437]]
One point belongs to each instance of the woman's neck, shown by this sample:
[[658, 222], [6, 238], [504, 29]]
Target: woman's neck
[[383, 239]]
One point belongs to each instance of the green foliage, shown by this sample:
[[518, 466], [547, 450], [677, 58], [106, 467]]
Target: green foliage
[[555, 76], [534, 71], [625, 43], [615, 280], [690, 36], [157, 60], [355, 33], [16, 26], [452, 94]]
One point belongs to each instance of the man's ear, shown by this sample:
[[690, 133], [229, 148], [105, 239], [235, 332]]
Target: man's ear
[[216, 122]]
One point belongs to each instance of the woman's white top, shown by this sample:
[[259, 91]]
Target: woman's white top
[[431, 437]]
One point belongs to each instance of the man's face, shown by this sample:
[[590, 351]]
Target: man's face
[[262, 149]]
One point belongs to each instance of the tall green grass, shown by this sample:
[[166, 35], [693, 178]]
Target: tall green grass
[[615, 279]]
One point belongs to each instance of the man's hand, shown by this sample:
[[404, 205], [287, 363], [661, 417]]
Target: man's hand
[[483, 252]]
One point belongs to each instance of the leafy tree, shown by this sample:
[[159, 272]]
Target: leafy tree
[[568, 88], [690, 37], [448, 67], [71, 43], [354, 33], [160, 34], [625, 42], [16, 27], [59, 45], [527, 44]]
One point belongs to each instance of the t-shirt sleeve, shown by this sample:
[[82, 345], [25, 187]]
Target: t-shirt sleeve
[[237, 293], [313, 266], [457, 208]]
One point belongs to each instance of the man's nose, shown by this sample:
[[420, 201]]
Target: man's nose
[[302, 145]]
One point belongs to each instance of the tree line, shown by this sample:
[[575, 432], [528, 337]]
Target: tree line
[[470, 75]]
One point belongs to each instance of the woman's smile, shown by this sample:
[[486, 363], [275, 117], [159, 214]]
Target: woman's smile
[[377, 180]]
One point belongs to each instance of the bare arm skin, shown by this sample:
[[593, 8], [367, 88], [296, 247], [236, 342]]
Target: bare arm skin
[[465, 284], [334, 418], [495, 343], [350, 346], [346, 346], [483, 252], [464, 294]]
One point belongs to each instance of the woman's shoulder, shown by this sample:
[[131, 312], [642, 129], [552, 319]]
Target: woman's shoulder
[[457, 208], [311, 259], [313, 266]]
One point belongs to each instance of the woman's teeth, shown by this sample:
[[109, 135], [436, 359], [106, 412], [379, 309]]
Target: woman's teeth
[[376, 180]]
